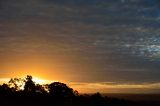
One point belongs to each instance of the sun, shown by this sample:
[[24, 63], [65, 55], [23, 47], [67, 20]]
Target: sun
[[41, 81]]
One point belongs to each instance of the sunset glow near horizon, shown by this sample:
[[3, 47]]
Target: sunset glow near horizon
[[109, 46]]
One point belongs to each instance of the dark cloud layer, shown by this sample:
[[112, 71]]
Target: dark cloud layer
[[111, 40]]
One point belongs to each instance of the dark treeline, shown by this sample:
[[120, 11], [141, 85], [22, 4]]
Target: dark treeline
[[24, 92]]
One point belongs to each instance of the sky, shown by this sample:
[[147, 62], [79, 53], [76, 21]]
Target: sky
[[111, 46]]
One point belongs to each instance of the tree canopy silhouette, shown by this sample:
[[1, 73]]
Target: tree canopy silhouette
[[59, 89], [25, 92], [29, 84], [16, 83]]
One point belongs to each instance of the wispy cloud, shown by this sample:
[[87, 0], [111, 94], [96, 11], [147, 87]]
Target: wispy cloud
[[113, 87], [117, 85]]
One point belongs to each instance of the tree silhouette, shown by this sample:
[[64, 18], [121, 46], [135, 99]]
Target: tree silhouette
[[54, 94], [40, 89], [29, 84], [97, 99], [16, 83], [59, 89], [4, 88]]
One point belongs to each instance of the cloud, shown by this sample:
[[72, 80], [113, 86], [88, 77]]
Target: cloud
[[113, 87], [118, 85], [105, 35]]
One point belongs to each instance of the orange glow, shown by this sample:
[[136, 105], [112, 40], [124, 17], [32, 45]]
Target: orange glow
[[39, 66], [41, 81]]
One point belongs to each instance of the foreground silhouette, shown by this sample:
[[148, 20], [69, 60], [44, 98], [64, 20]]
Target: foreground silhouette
[[24, 92]]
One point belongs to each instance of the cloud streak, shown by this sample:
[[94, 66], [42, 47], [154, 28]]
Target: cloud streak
[[113, 87], [101, 40]]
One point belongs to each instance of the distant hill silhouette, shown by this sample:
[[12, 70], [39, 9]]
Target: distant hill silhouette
[[24, 92]]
